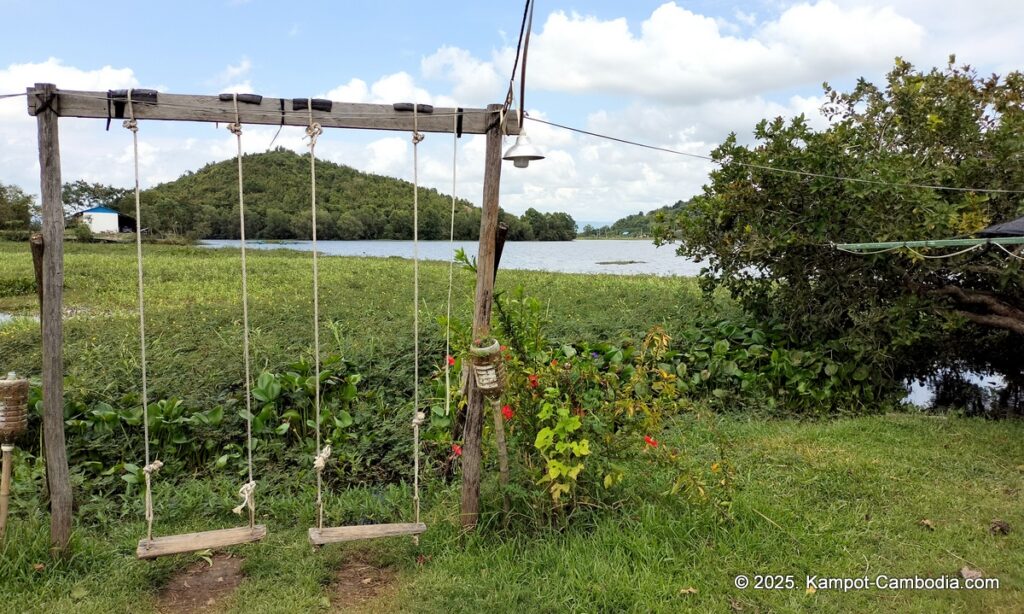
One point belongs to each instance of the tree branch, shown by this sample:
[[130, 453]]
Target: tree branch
[[994, 321], [981, 299]]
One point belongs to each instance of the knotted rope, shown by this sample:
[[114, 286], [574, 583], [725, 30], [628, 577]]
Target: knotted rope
[[451, 273], [313, 132], [247, 489], [149, 470], [151, 467], [248, 501], [418, 416]]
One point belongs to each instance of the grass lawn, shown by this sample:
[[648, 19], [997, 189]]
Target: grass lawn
[[837, 498]]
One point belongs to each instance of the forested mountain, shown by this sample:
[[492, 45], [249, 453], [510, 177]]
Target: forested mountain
[[350, 205], [636, 225]]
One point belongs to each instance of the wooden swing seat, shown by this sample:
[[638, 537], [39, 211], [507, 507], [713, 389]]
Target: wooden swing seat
[[205, 540], [331, 535]]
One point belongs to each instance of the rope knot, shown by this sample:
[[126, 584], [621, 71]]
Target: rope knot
[[321, 459], [246, 492], [131, 124], [313, 131], [153, 467], [419, 418], [235, 128], [417, 138]]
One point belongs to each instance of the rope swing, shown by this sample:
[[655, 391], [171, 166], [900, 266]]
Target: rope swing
[[151, 467], [451, 273], [418, 416], [313, 132], [247, 491], [320, 534], [175, 544]]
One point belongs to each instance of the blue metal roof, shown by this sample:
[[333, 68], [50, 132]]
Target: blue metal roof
[[100, 210]]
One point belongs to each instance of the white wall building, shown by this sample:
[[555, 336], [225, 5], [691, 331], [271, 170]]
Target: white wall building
[[100, 219]]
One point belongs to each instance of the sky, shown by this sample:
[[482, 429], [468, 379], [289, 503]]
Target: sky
[[681, 75]]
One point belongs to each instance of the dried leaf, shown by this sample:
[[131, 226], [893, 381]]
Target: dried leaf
[[688, 591], [968, 573], [928, 524], [810, 590], [999, 527], [735, 605], [38, 567]]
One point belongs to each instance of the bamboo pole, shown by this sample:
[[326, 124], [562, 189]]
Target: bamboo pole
[[933, 243], [5, 486]]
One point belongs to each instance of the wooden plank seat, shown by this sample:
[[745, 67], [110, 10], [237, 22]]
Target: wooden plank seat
[[331, 535], [191, 542]]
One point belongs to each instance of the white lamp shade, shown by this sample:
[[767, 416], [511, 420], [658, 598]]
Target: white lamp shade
[[523, 152]]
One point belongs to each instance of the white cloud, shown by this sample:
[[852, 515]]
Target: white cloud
[[680, 56], [475, 82], [231, 80]]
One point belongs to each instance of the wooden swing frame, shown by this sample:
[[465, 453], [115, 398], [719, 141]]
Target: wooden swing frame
[[48, 103]]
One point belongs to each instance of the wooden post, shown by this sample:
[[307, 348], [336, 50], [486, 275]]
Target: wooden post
[[470, 507], [5, 486], [52, 317]]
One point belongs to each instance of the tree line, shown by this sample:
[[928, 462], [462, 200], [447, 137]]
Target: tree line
[[351, 205]]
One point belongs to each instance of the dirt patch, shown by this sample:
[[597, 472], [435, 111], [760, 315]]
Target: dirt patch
[[359, 586], [201, 587]]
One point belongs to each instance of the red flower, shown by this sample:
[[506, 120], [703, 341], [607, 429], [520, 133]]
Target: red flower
[[451, 361], [554, 363], [507, 412], [504, 347], [533, 380], [652, 442], [457, 449]]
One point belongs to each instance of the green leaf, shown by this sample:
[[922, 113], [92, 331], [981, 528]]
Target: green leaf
[[545, 437]]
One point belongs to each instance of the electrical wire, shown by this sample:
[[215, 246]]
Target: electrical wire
[[775, 169], [3, 96], [515, 62]]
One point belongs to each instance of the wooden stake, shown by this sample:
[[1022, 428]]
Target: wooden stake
[[5, 487], [470, 506], [44, 95]]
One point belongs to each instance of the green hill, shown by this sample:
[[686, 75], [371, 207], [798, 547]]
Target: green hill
[[350, 205]]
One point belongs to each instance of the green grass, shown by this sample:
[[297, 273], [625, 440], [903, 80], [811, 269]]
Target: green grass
[[844, 498], [194, 317], [830, 498]]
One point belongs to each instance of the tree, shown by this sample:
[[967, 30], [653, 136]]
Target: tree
[[16, 208], [766, 235], [80, 195]]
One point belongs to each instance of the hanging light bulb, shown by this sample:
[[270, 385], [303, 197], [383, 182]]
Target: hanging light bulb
[[523, 151]]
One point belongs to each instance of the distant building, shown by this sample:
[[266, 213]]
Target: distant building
[[105, 220]]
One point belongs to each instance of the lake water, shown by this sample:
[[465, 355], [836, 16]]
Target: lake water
[[621, 257]]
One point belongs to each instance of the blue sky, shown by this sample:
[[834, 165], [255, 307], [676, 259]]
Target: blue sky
[[680, 75]]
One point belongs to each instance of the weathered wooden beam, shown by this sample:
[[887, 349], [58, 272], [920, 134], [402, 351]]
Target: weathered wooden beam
[[188, 107], [331, 535], [51, 317], [193, 542], [471, 453]]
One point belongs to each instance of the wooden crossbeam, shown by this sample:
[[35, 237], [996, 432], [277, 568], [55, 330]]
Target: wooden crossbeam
[[332, 535], [188, 107], [191, 542]]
